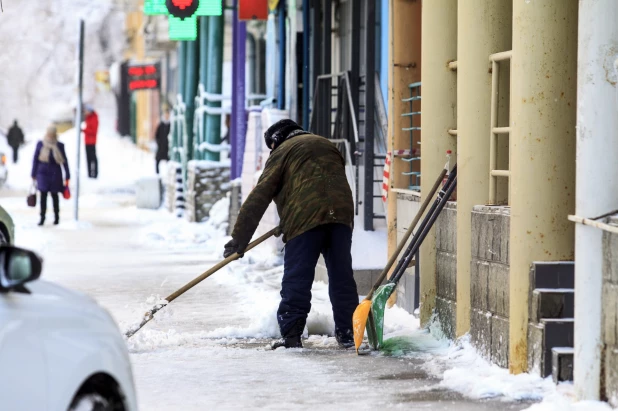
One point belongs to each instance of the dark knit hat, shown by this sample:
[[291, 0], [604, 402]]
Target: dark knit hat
[[280, 131]]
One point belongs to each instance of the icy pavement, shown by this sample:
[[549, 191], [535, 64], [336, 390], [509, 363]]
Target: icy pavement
[[209, 348]]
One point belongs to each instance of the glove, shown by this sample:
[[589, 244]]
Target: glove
[[233, 247]]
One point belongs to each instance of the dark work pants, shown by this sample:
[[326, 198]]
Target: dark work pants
[[91, 160], [55, 201], [15, 154], [334, 242]]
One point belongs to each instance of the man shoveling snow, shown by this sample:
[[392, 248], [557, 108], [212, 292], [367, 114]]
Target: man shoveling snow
[[305, 176]]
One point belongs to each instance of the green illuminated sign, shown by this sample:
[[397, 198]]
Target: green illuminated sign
[[183, 28]]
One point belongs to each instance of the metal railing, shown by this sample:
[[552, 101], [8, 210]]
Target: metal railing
[[411, 156], [200, 144], [334, 116], [496, 131]]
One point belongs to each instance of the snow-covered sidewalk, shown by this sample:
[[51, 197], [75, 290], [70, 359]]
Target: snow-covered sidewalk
[[209, 348]]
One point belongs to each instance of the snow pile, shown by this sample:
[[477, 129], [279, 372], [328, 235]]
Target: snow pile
[[476, 378], [175, 233], [257, 281], [377, 240], [564, 400], [38, 40]]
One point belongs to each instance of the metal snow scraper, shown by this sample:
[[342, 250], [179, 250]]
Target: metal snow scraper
[[362, 314], [381, 296], [149, 315]]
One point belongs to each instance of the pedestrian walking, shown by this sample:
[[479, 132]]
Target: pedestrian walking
[[305, 176], [49, 160], [15, 138], [162, 139], [90, 128]]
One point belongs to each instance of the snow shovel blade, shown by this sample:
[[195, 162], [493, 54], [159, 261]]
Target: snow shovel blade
[[371, 332], [378, 305], [359, 321]]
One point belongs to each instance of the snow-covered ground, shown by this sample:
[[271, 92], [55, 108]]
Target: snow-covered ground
[[209, 348]]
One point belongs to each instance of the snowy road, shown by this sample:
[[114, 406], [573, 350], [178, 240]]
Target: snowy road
[[183, 360]]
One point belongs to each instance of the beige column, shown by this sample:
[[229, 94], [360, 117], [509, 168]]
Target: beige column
[[483, 28], [439, 114], [543, 102], [405, 68]]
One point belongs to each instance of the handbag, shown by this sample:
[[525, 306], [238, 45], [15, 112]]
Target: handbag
[[66, 193], [31, 199]]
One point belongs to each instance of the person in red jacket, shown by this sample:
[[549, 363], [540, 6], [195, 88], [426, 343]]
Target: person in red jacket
[[90, 127]]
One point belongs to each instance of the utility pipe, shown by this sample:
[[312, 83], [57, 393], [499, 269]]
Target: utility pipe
[[306, 85], [596, 175], [281, 89], [239, 118]]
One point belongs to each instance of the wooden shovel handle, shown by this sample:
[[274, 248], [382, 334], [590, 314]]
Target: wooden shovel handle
[[408, 233], [214, 269]]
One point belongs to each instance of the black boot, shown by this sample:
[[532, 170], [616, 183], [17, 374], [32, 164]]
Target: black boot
[[43, 207], [288, 342], [56, 202], [345, 338], [291, 338]]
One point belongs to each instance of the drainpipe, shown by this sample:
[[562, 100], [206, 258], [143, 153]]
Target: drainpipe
[[252, 60], [281, 90], [306, 85], [596, 173], [214, 81], [239, 118]]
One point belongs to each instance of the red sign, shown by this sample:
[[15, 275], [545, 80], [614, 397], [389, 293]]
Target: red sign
[[139, 71], [143, 77], [143, 84], [182, 4], [182, 8], [253, 10]]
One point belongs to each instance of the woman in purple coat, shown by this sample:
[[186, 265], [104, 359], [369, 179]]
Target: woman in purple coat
[[49, 159]]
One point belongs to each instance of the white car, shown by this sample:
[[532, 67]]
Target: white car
[[59, 350]]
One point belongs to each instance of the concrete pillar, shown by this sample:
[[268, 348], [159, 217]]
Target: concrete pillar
[[439, 114], [597, 178], [542, 150], [404, 68], [214, 82], [483, 28]]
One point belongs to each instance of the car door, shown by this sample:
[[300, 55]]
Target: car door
[[23, 379]]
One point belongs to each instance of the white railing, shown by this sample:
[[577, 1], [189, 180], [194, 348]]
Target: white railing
[[495, 131]]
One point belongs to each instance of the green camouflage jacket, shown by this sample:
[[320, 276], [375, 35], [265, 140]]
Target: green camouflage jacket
[[305, 176]]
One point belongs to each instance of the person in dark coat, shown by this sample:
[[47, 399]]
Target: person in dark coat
[[15, 138], [161, 138], [49, 160], [305, 176]]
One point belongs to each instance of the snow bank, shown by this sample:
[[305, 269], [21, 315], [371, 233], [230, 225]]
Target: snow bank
[[375, 241], [175, 233], [563, 400]]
